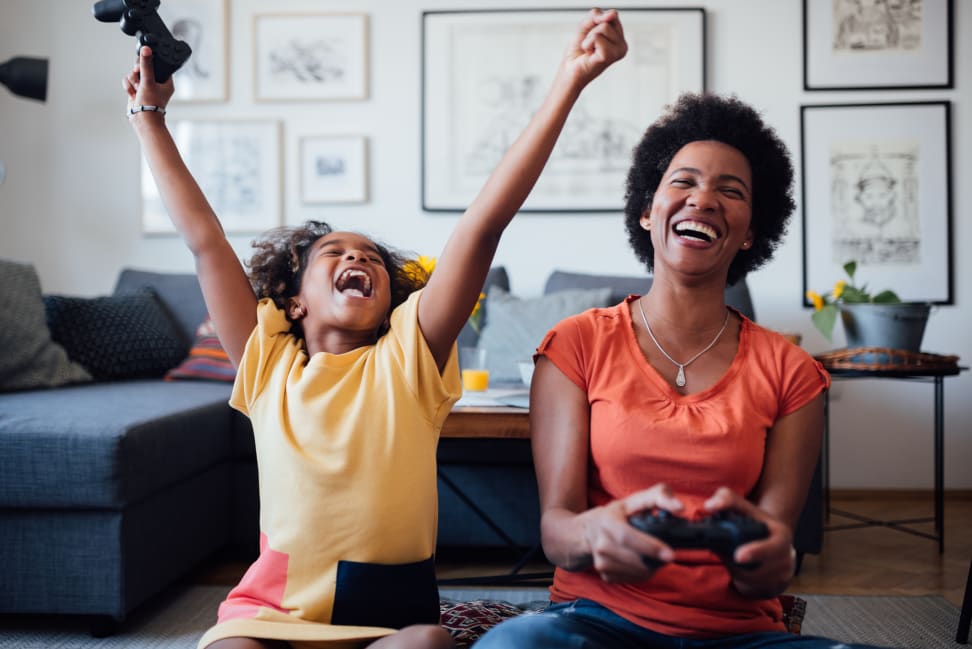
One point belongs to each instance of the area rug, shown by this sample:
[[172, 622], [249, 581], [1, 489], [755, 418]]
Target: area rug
[[178, 619]]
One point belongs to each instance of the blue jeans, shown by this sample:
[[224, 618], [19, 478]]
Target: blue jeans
[[584, 624]]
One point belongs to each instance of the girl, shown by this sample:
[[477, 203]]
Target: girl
[[347, 373]]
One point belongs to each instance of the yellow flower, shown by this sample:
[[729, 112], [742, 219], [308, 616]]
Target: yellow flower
[[814, 297], [838, 288], [426, 263]]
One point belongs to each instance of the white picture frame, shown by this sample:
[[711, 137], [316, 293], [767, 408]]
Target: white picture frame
[[486, 72], [877, 190], [848, 45], [236, 164], [333, 169], [310, 56], [204, 26]]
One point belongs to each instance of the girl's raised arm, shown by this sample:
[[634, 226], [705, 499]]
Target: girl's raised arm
[[225, 287], [461, 270]]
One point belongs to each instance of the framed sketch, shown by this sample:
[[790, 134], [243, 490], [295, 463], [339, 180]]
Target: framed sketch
[[311, 56], [203, 25], [237, 166], [333, 169], [872, 44], [484, 74], [877, 190]]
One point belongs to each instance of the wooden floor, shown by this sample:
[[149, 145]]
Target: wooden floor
[[866, 561]]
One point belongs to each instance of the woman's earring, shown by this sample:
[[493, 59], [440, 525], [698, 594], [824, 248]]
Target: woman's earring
[[746, 244]]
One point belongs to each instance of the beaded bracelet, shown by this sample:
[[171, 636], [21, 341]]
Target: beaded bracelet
[[142, 109]]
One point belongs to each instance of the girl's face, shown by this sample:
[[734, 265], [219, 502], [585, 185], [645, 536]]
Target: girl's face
[[701, 212], [345, 285]]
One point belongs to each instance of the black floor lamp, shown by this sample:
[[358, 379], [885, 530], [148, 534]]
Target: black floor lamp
[[26, 77]]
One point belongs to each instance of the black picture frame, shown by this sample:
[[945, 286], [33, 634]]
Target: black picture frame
[[907, 46], [876, 189], [485, 71]]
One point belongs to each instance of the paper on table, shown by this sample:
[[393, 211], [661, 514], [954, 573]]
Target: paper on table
[[517, 397]]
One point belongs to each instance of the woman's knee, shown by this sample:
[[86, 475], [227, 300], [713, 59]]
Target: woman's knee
[[537, 631]]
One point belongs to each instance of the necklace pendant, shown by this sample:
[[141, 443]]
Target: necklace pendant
[[680, 377]]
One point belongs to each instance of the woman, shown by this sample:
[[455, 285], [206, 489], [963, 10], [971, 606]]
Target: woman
[[673, 401]]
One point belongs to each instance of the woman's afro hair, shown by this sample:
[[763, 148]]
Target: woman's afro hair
[[277, 266], [695, 117]]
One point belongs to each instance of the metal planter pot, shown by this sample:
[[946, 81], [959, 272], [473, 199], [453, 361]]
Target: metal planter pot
[[895, 326]]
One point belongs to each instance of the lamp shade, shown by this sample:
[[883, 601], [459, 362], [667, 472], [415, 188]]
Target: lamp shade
[[25, 76]]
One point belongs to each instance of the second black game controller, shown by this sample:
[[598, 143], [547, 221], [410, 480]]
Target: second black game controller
[[721, 533], [140, 18]]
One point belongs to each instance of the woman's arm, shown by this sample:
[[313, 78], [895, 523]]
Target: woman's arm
[[575, 536], [792, 450], [226, 289], [461, 269]]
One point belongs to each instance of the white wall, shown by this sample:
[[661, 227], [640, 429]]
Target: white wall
[[70, 204]]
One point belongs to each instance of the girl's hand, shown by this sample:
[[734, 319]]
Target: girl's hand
[[619, 552], [140, 84], [599, 43], [773, 559]]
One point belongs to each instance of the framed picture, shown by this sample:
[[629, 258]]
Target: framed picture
[[484, 74], [857, 45], [203, 25], [333, 169], [311, 56], [237, 166], [877, 190]]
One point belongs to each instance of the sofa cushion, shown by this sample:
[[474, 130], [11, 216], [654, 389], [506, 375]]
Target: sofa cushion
[[622, 286], [118, 336], [29, 358], [207, 360], [516, 326], [109, 444], [497, 276], [179, 293]]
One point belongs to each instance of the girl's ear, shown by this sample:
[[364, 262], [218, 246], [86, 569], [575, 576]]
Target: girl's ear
[[646, 219], [295, 310]]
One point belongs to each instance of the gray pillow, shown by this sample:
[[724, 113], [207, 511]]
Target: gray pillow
[[516, 326], [30, 359]]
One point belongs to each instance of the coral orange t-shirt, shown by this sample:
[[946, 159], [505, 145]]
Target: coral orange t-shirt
[[644, 432]]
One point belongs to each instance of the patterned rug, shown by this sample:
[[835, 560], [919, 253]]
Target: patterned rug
[[178, 619]]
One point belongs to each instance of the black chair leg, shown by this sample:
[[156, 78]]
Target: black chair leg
[[965, 616]]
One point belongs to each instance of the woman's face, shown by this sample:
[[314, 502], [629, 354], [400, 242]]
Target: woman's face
[[345, 284], [700, 215]]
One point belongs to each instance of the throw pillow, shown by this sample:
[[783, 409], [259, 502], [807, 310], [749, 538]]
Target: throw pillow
[[516, 326], [467, 621], [123, 336], [30, 359], [207, 360]]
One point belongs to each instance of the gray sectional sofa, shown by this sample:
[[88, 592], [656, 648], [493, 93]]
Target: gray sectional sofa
[[111, 490]]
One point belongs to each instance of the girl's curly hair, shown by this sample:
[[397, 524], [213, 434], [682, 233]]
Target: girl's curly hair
[[277, 266], [696, 117]]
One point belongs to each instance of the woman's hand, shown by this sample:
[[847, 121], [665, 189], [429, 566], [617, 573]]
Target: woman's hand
[[772, 560], [140, 84], [619, 552], [599, 43]]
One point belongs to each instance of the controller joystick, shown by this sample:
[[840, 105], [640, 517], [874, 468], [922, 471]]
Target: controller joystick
[[721, 533], [140, 18]]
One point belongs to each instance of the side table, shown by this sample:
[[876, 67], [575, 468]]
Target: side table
[[881, 363]]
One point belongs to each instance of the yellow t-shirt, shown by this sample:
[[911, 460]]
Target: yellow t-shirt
[[345, 445]]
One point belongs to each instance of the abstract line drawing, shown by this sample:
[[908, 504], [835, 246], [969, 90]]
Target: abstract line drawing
[[877, 25], [311, 56], [334, 169], [203, 25]]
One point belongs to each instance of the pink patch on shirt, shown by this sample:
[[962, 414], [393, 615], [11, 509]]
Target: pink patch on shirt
[[262, 586]]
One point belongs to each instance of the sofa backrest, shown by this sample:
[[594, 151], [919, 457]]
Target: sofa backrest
[[178, 292], [622, 286]]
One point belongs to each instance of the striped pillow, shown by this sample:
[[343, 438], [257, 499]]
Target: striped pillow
[[207, 361]]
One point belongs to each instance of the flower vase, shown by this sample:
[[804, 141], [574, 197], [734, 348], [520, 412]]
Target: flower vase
[[893, 326]]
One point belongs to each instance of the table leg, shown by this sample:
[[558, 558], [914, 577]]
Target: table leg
[[940, 462], [825, 457]]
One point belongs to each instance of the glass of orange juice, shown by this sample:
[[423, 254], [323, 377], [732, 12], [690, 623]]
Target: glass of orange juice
[[475, 375]]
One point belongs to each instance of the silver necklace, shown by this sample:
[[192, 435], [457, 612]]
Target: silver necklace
[[680, 377]]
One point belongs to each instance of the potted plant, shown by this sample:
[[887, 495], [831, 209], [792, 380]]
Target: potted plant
[[880, 320]]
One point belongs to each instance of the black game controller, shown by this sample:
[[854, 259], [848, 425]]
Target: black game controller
[[140, 18], [721, 533]]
